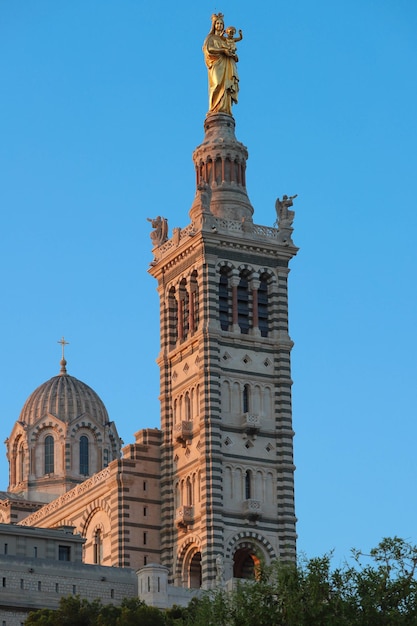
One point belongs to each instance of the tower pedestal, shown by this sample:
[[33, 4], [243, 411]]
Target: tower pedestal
[[220, 163]]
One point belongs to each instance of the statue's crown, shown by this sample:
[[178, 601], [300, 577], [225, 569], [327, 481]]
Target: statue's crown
[[217, 16]]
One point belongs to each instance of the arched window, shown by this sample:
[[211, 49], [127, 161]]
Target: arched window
[[189, 492], [248, 485], [183, 311], [243, 304], [188, 415], [263, 306], [194, 574], [173, 317], [49, 454], [84, 456], [196, 403], [245, 564], [246, 397], [224, 304], [98, 547], [194, 303], [21, 463]]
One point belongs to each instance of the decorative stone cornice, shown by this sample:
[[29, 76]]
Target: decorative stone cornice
[[67, 497]]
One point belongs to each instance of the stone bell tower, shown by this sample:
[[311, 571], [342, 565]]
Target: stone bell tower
[[225, 382]]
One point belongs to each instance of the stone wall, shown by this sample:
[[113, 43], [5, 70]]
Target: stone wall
[[28, 584]]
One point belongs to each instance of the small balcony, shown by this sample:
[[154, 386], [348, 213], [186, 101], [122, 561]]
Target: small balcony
[[252, 509], [184, 516], [184, 432], [251, 424]]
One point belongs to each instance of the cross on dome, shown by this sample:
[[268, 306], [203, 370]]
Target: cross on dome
[[63, 361]]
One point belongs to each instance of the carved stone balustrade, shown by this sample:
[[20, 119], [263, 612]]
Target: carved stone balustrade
[[184, 432], [184, 516], [252, 509], [251, 424]]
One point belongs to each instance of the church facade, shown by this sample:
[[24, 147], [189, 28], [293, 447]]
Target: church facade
[[209, 495]]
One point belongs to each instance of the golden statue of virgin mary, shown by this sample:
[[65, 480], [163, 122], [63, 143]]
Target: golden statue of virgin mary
[[221, 59]]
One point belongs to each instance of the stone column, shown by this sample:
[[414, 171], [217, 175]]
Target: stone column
[[254, 286], [234, 282]]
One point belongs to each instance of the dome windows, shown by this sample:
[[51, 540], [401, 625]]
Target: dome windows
[[63, 435], [84, 456], [49, 456]]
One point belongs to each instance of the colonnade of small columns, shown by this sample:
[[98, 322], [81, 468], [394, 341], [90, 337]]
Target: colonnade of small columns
[[183, 309], [249, 306], [223, 169]]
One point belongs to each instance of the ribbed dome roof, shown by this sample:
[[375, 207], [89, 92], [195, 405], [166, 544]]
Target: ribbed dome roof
[[65, 397]]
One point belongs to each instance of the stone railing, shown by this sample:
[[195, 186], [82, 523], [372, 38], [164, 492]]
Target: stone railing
[[251, 422], [184, 516], [69, 496], [178, 235], [252, 509], [184, 431], [217, 224]]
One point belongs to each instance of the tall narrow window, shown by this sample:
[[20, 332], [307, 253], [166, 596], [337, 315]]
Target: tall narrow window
[[98, 547], [224, 308], [172, 317], [84, 456], [49, 454], [243, 305], [194, 303], [263, 306], [246, 394], [105, 457], [189, 492], [187, 407], [184, 311], [248, 485], [21, 462]]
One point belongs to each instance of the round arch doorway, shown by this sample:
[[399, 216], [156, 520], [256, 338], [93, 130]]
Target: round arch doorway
[[192, 570], [245, 564]]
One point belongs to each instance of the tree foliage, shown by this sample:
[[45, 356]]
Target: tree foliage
[[379, 588], [74, 611]]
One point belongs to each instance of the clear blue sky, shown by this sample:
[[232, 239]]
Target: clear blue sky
[[102, 103]]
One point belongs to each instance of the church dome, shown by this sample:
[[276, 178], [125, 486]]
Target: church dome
[[62, 436], [66, 398]]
